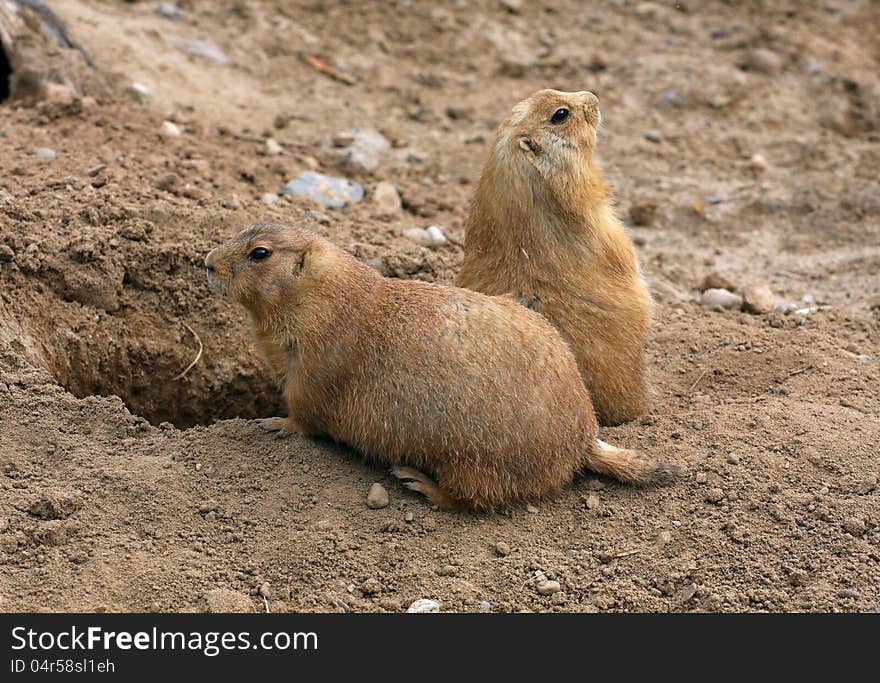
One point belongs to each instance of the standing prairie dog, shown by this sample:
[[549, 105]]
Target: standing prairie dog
[[542, 227], [478, 392]]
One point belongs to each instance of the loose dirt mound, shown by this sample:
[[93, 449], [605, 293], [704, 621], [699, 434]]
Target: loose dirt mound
[[753, 129]]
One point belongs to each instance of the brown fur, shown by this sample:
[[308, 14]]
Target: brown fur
[[476, 390], [542, 227]]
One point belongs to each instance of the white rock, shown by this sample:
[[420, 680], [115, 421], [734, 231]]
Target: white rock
[[269, 198], [436, 234], [169, 130], [273, 149], [140, 92], [428, 237], [169, 10], [423, 606], [485, 606], [722, 298], [45, 153]]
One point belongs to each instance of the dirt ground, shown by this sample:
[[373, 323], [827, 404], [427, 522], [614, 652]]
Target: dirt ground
[[755, 129]]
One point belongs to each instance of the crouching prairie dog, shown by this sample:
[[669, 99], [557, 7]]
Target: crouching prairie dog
[[476, 392], [543, 228]]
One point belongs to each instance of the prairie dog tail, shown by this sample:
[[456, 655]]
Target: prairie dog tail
[[629, 466]]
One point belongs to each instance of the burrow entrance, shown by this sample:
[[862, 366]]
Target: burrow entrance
[[146, 374], [186, 367]]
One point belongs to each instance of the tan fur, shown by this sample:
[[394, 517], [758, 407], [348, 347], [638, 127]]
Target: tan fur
[[477, 391], [543, 228]]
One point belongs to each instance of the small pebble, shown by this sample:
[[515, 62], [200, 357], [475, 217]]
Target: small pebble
[[593, 501], [653, 136], [45, 153], [425, 237], [485, 606], [169, 130], [721, 298], [371, 587], [272, 148], [758, 162], [502, 549], [377, 498], [409, 517], [850, 593], [139, 92], [436, 234], [548, 587], [424, 606], [531, 509], [733, 459], [714, 495], [758, 299], [266, 590], [386, 198], [170, 11], [664, 537], [762, 61], [167, 181], [269, 198]]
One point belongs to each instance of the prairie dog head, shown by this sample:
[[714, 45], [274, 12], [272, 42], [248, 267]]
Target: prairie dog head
[[552, 130], [263, 267]]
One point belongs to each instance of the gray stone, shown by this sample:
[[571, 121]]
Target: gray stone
[[327, 190], [365, 152], [850, 593]]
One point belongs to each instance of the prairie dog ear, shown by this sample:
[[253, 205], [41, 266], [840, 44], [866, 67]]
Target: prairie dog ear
[[531, 151]]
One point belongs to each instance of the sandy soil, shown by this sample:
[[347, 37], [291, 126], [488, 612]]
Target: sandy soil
[[125, 489]]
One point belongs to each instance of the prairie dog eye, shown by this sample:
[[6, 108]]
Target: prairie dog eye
[[259, 254], [560, 115]]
